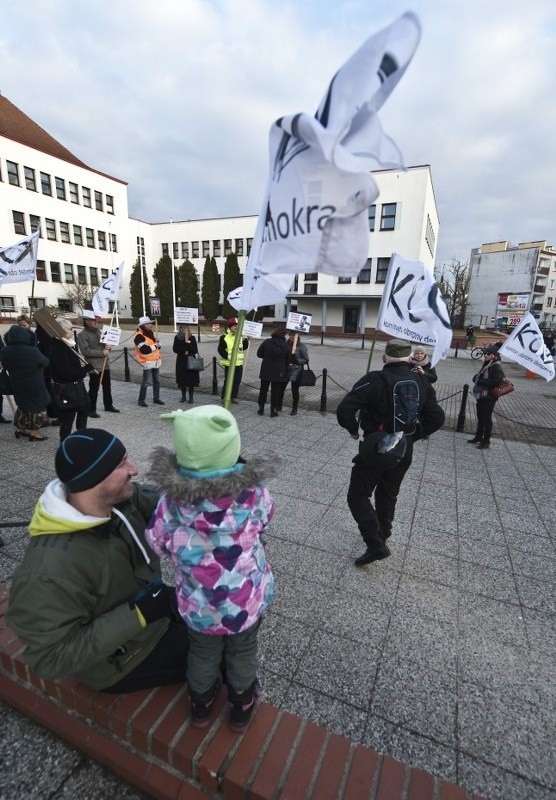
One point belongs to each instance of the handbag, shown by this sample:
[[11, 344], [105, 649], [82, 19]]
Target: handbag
[[293, 372], [308, 377], [195, 362], [504, 387], [69, 396]]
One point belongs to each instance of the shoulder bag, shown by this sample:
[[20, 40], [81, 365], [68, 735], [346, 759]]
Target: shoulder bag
[[195, 362], [504, 387], [69, 396], [308, 377]]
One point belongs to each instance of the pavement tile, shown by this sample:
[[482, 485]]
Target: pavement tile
[[539, 567], [360, 621], [541, 631], [487, 554], [495, 583], [530, 544], [408, 635], [536, 594], [482, 620], [431, 566], [498, 784], [424, 540], [341, 718], [282, 643], [427, 599]]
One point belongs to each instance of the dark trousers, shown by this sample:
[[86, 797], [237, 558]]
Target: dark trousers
[[238, 375], [94, 385], [239, 652], [375, 525], [66, 420], [276, 393], [485, 407], [165, 665]]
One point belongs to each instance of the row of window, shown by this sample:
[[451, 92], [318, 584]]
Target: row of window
[[191, 249], [387, 217], [63, 231], [310, 285], [64, 190], [68, 273]]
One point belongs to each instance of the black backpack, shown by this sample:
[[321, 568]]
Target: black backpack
[[404, 399]]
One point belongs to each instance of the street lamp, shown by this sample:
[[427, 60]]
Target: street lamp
[[173, 272]]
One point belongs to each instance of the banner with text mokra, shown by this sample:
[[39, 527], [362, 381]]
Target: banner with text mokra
[[412, 307]]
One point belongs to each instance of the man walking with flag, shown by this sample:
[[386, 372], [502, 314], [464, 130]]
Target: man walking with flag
[[96, 354]]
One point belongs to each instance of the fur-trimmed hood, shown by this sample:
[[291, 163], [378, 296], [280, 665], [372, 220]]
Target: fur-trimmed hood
[[164, 474]]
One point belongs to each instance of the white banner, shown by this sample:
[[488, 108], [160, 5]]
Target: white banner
[[107, 291], [234, 298], [110, 336], [412, 307], [299, 322], [314, 212], [186, 316], [18, 262], [253, 329], [526, 346]]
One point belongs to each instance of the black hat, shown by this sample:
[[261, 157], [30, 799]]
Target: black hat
[[491, 350], [87, 457]]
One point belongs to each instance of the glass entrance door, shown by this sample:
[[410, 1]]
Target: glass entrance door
[[351, 319]]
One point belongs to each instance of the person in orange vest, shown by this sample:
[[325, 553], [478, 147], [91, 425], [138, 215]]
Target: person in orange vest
[[147, 350]]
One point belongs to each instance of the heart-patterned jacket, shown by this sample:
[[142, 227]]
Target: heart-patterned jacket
[[211, 526]]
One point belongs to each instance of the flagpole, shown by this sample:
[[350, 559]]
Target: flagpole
[[173, 273], [141, 269], [233, 359]]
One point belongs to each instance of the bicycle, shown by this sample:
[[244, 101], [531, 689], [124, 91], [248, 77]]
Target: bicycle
[[477, 352]]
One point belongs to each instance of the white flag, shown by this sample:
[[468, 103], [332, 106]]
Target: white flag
[[526, 346], [412, 307], [234, 297], [108, 290], [19, 262], [314, 212]]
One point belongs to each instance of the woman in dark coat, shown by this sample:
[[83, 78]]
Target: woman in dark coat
[[421, 363], [3, 419], [185, 344], [275, 354], [67, 368], [490, 374], [24, 362]]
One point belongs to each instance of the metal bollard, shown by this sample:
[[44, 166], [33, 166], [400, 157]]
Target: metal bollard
[[214, 376], [127, 374], [461, 417], [323, 392], [322, 337], [363, 341], [457, 348]]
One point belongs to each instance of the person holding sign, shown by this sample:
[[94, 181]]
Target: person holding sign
[[225, 347], [96, 353], [185, 344], [147, 350], [69, 394], [275, 354], [299, 357]]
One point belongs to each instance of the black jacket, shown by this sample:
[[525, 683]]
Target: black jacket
[[370, 396], [276, 355]]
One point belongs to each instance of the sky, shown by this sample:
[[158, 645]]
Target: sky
[[176, 97]]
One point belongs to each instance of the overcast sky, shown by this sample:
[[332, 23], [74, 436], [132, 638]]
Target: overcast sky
[[176, 97]]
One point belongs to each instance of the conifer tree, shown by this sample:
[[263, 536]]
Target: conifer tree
[[163, 288], [211, 290], [232, 279], [137, 305], [188, 285]]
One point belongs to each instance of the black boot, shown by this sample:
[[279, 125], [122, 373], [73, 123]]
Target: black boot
[[190, 401], [273, 412], [484, 445], [293, 412], [201, 705], [475, 440], [242, 705], [183, 396], [260, 412]]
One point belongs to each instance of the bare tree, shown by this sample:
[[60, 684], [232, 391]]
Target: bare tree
[[453, 281], [81, 294]]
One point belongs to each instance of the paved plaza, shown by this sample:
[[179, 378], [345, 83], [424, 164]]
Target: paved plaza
[[441, 656]]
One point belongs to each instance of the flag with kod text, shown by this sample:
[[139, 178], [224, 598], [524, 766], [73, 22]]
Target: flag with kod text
[[526, 346], [18, 262], [108, 290], [314, 212], [412, 307]]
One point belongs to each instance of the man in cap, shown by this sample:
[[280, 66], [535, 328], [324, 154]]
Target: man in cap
[[147, 350], [371, 396], [87, 599], [225, 347], [96, 353]]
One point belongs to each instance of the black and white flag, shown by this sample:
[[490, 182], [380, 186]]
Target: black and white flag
[[108, 290], [526, 346], [18, 262]]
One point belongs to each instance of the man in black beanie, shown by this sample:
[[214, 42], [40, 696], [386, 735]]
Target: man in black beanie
[[88, 598]]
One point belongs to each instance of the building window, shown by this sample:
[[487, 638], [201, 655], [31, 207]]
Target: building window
[[249, 245], [342, 279], [86, 195], [365, 274], [46, 185], [311, 276], [50, 229], [93, 276], [216, 248], [430, 238], [90, 237], [30, 179], [19, 222], [372, 217], [98, 201], [65, 305], [194, 249], [7, 304], [65, 232], [206, 248], [175, 250], [548, 302], [185, 250], [78, 235], [113, 243], [60, 188], [295, 284], [68, 273], [55, 276], [13, 173], [36, 302], [227, 247], [165, 249], [41, 271], [73, 192], [103, 274], [239, 247], [388, 217], [101, 236], [310, 288], [382, 269], [109, 204], [35, 223], [81, 275]]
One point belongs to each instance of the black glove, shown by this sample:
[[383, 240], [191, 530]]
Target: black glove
[[153, 601]]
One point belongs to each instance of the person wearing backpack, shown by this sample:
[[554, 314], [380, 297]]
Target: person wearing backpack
[[396, 407]]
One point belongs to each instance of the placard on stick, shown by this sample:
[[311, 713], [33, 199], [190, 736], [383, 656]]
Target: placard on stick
[[299, 322], [110, 336], [186, 316]]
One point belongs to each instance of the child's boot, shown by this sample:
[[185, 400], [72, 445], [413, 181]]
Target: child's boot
[[201, 705], [242, 705]]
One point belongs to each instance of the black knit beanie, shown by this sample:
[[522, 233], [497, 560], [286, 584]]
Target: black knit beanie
[[87, 457]]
